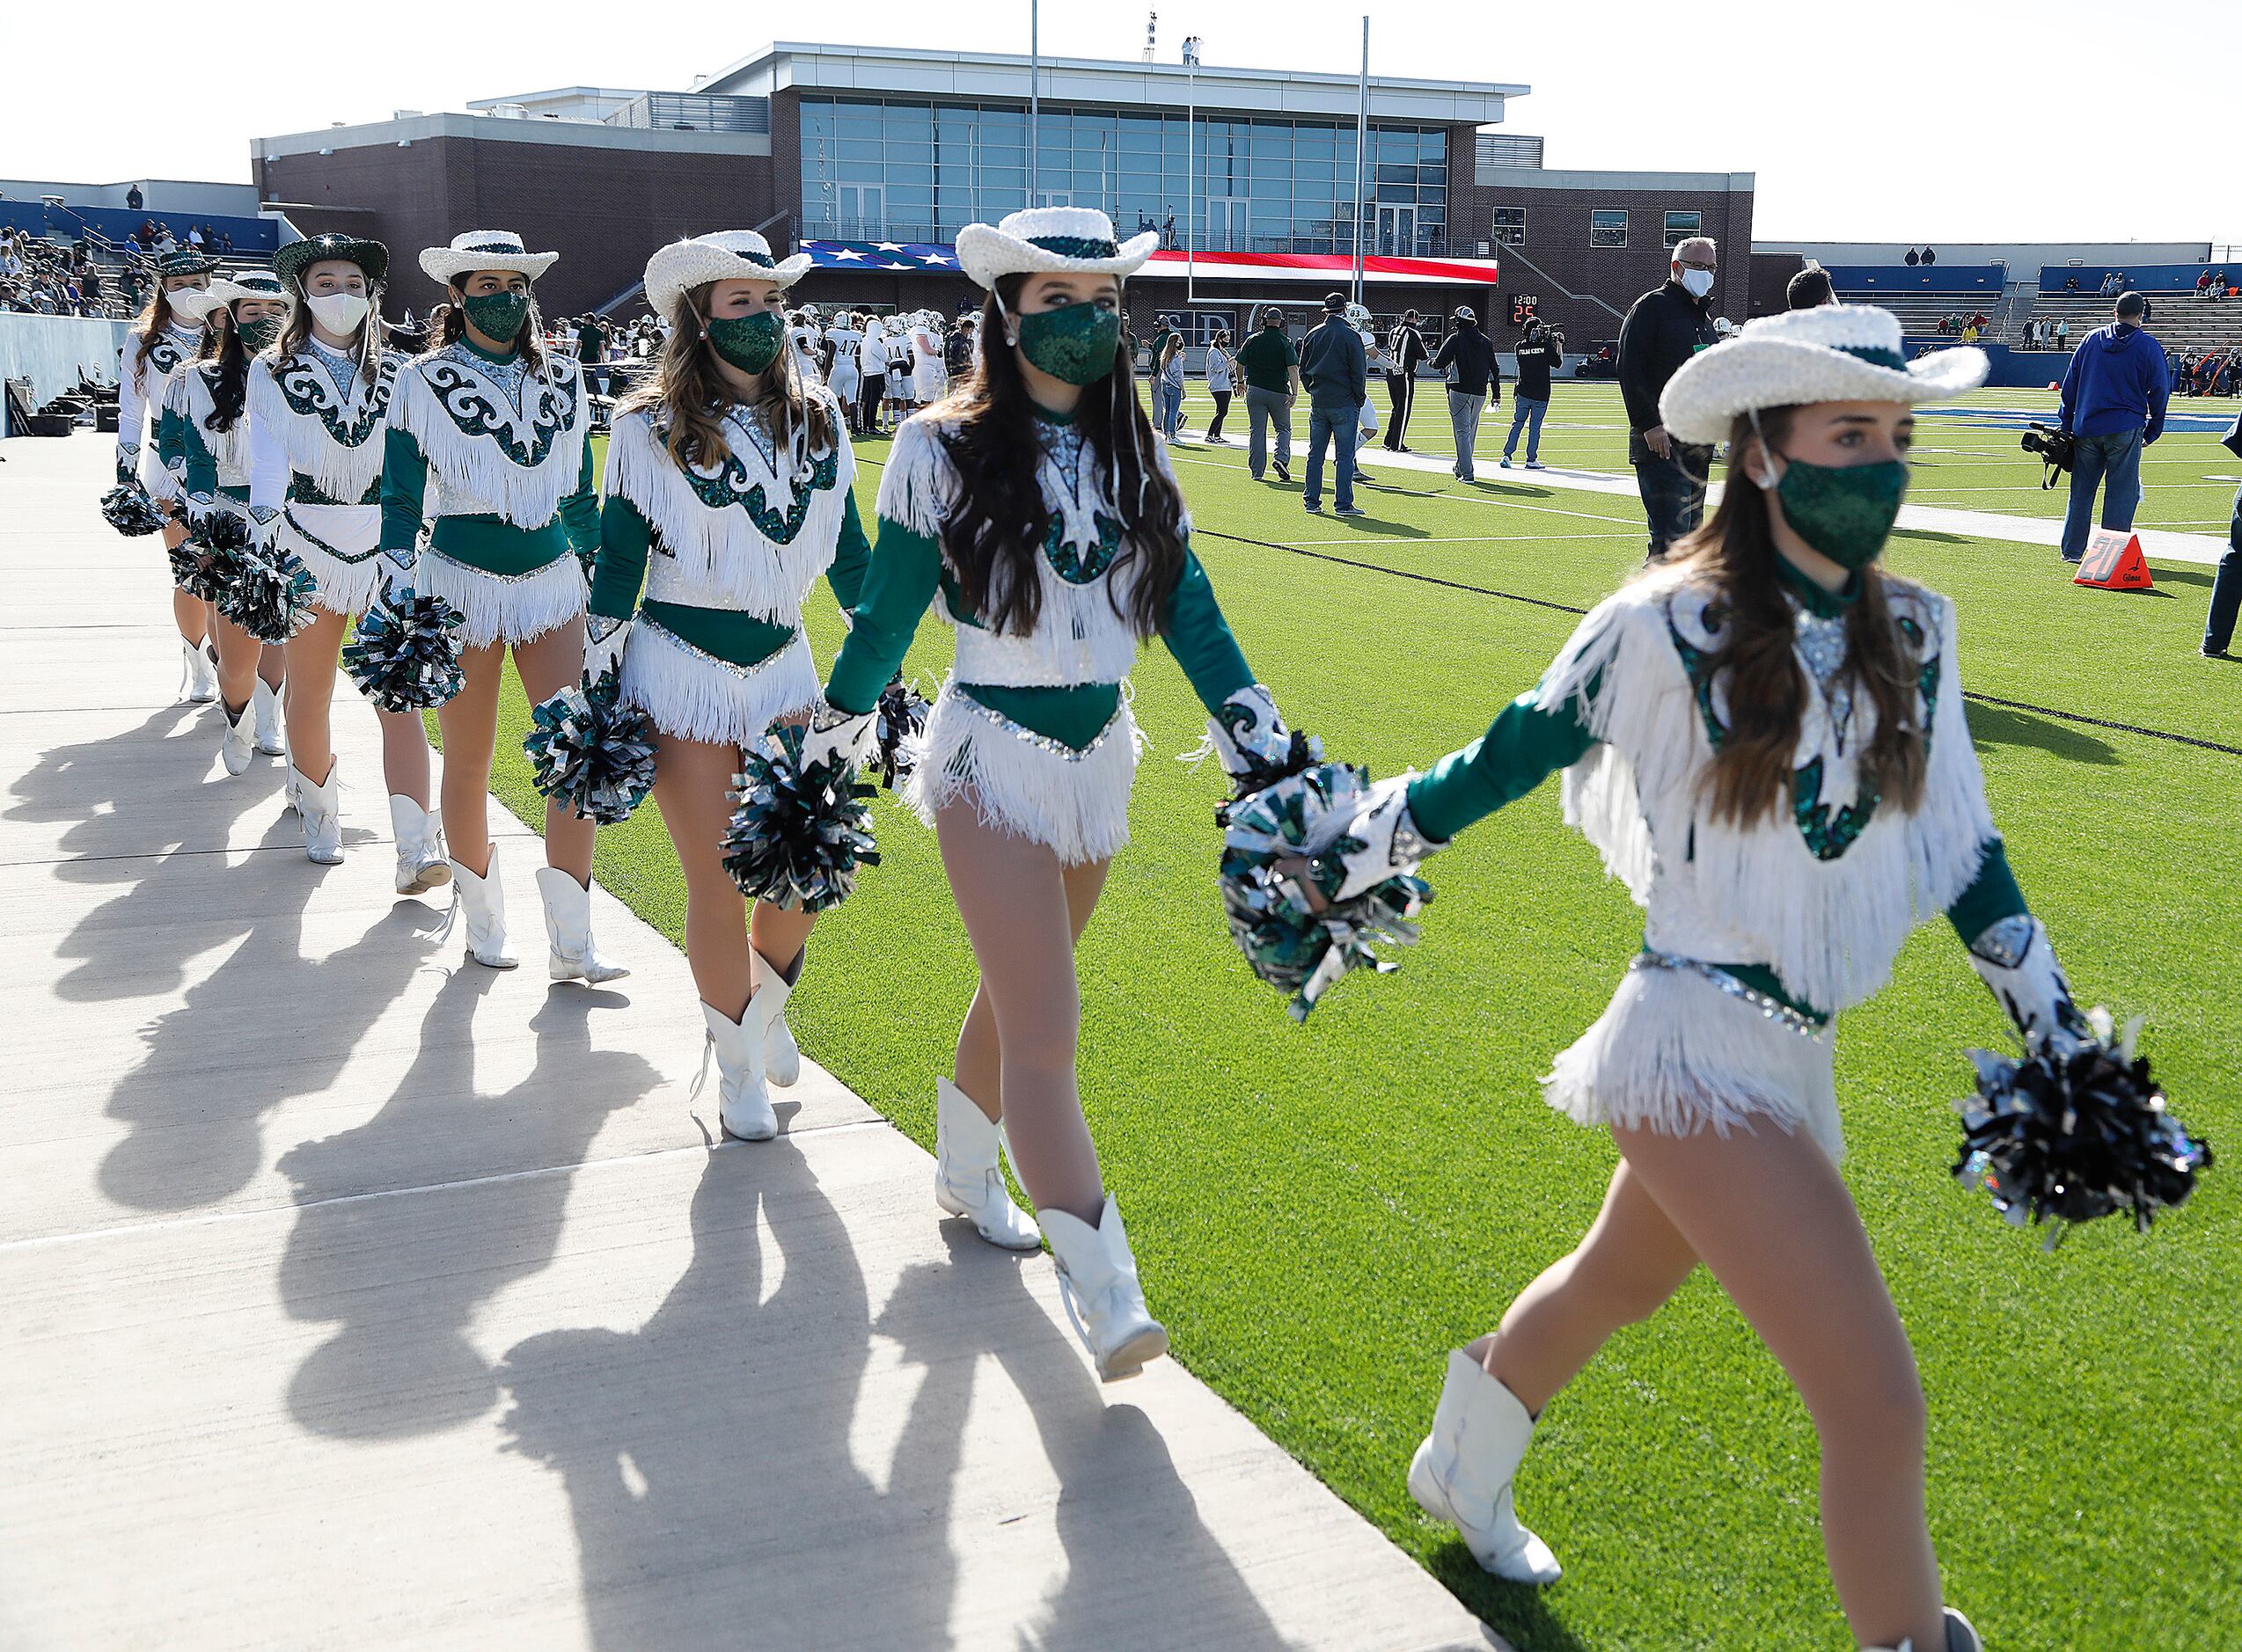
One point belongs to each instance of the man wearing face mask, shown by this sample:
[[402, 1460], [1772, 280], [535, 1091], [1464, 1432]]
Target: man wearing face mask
[[1665, 328]]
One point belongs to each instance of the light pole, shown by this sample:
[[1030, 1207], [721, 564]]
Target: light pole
[[1361, 150], [1034, 76], [1191, 170]]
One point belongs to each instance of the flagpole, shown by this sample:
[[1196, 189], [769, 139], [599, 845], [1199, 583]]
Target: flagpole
[[1361, 147], [1034, 76]]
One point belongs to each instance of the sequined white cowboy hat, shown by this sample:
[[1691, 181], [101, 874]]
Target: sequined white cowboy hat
[[1077, 239], [728, 255], [485, 249], [1831, 353], [251, 284]]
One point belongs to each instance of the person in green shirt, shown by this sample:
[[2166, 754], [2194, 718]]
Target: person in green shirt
[[499, 426], [738, 466], [1766, 741], [1272, 370], [1051, 574]]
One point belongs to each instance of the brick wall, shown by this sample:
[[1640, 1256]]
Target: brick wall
[[605, 211]]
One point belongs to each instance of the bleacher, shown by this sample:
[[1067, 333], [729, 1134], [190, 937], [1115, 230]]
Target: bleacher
[[1922, 296], [2179, 319], [108, 233]]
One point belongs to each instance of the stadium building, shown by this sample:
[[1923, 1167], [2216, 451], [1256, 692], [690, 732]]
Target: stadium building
[[873, 159]]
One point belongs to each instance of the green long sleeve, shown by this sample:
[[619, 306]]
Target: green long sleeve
[[200, 479], [625, 540], [580, 509], [852, 558], [1197, 634], [1992, 895], [405, 485], [904, 572], [170, 438], [1525, 745]]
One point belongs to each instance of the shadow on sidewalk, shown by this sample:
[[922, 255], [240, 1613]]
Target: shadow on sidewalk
[[405, 1276]]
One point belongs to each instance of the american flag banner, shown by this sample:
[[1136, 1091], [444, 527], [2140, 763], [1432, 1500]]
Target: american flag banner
[[881, 255]]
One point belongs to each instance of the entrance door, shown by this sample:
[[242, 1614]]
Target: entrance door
[[1225, 224], [863, 212], [1054, 197], [1396, 235]]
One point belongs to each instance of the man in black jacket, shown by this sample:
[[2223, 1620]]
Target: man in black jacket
[[1406, 349], [1665, 328], [1335, 369], [1540, 354], [1468, 358]]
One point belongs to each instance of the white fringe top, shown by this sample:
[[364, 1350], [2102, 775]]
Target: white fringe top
[[501, 439], [189, 395], [1079, 637], [1817, 894], [320, 411], [751, 534]]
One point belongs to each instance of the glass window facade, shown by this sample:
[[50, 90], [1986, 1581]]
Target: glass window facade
[[1608, 227], [876, 169], [1510, 226], [1679, 226]]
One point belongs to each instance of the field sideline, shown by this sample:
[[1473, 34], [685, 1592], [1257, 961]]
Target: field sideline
[[1322, 1212]]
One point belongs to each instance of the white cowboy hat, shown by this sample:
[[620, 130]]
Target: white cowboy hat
[[1077, 239], [485, 249], [250, 284], [1831, 353], [729, 255]]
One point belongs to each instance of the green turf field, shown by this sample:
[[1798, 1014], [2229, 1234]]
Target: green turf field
[[1322, 1212]]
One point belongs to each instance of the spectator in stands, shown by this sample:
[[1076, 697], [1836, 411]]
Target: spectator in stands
[[1914, 259], [1271, 367], [1540, 355], [134, 198], [2203, 284], [1810, 288], [2114, 397], [1664, 328], [194, 236], [1336, 371], [2226, 589], [1929, 255], [2062, 334]]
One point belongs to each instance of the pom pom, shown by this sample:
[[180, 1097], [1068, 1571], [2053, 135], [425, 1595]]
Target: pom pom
[[590, 753], [1300, 939], [221, 533], [2069, 1135], [902, 713], [270, 595], [131, 512], [1302, 755], [797, 837], [406, 659], [202, 573]]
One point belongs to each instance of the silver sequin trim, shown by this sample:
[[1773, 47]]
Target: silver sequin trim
[[2005, 940], [503, 578], [1057, 748], [742, 672], [1773, 1009]]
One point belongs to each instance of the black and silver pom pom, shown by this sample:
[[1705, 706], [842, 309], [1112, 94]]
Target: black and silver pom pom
[[902, 715], [406, 660], [2066, 1136], [270, 595], [591, 753], [130, 511], [797, 837], [1300, 939], [1305, 752]]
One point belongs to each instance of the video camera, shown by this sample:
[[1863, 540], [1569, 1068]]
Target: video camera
[[2058, 450]]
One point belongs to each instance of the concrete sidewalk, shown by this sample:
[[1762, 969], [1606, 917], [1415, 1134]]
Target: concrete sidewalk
[[354, 1296]]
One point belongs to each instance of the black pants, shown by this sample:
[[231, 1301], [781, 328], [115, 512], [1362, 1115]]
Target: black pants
[[1401, 390], [1674, 493], [1222, 412]]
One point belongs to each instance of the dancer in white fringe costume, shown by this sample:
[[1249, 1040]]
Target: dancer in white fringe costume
[[1765, 738], [734, 472], [487, 442], [166, 337], [204, 440], [318, 411], [1051, 574]]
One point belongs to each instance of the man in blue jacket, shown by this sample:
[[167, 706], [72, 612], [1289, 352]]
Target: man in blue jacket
[[1336, 371], [2113, 402]]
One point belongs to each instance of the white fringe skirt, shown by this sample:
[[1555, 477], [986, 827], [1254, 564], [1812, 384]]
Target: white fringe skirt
[[1075, 802], [505, 607], [693, 695], [1678, 1052], [341, 546]]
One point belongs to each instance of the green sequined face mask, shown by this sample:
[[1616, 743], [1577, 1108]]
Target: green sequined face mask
[[1074, 344], [498, 315], [1845, 511], [257, 336], [750, 343]]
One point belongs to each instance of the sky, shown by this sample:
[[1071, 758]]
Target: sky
[[1861, 126]]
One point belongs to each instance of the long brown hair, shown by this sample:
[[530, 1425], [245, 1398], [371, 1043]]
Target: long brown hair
[[993, 540], [223, 345], [448, 324], [297, 331], [1751, 772], [149, 327], [690, 387]]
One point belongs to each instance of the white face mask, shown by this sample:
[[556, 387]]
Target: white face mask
[[191, 303], [1698, 282], [338, 313]]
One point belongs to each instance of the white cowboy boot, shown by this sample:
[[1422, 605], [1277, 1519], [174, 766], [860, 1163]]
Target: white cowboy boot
[[483, 899], [968, 1180], [1960, 1637], [1097, 1282], [567, 924], [239, 744], [1463, 1471], [319, 811], [421, 865], [198, 677], [743, 1104], [270, 738], [781, 1056]]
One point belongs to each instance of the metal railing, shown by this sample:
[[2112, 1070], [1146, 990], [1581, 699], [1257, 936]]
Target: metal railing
[[873, 231]]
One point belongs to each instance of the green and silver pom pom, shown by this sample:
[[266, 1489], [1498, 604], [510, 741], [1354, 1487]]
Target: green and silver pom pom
[[271, 595], [129, 510], [406, 659], [798, 837], [591, 753], [902, 717]]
